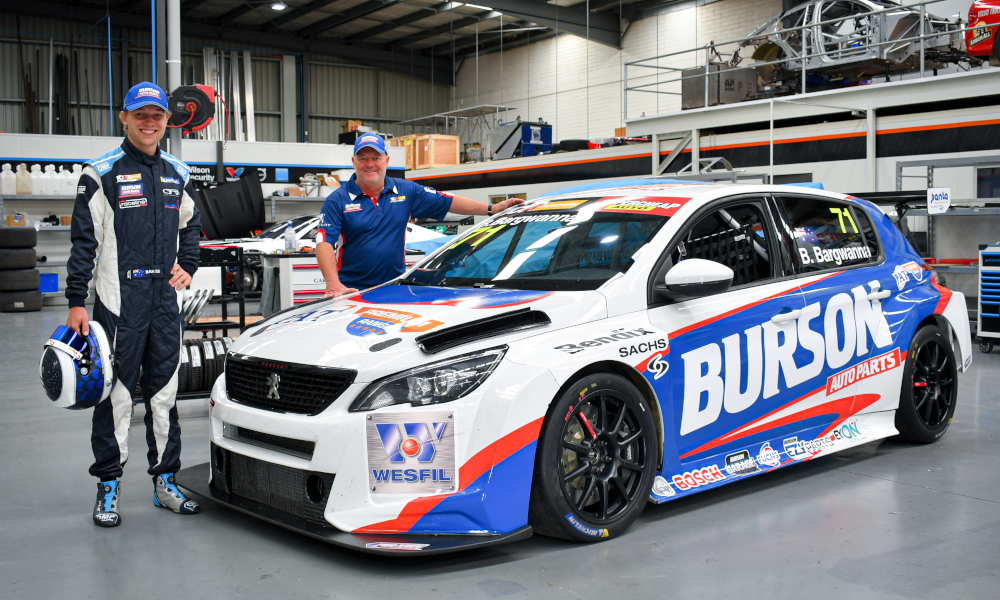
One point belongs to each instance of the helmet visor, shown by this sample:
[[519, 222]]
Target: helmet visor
[[68, 341]]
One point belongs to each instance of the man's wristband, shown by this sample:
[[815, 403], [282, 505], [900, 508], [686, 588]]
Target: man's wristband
[[489, 209]]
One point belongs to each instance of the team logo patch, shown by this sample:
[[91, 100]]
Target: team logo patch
[[132, 203], [81, 189], [377, 321], [129, 190], [172, 180], [352, 207], [411, 453], [148, 92], [141, 273], [171, 206], [397, 199], [171, 192], [125, 178]]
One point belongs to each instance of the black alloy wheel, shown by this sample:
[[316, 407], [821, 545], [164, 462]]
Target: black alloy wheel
[[930, 387], [595, 462]]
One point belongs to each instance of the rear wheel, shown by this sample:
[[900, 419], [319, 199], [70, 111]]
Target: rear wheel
[[595, 462], [930, 387]]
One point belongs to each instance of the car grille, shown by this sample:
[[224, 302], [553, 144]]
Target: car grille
[[294, 491], [299, 448], [303, 389]]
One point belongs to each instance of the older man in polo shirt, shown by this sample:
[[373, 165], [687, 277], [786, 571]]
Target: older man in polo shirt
[[368, 215]]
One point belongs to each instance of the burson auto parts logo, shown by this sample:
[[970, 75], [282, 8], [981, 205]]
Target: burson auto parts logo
[[411, 453]]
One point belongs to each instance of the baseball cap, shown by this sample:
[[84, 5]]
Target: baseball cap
[[144, 94], [370, 140]]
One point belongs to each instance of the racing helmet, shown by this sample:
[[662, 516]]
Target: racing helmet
[[75, 370]]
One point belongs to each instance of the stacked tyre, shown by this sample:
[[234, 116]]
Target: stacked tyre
[[201, 363], [19, 279]]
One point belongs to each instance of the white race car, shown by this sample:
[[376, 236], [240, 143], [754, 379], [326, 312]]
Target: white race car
[[575, 357]]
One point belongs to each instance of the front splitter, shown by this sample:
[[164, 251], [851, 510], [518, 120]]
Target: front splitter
[[196, 480]]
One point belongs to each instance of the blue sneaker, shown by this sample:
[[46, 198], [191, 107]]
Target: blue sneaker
[[167, 495], [106, 509]]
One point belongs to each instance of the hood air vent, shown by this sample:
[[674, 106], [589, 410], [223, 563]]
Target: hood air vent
[[508, 322]]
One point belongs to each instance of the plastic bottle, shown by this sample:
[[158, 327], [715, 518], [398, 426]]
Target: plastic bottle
[[67, 183], [51, 180], [37, 180], [8, 181], [291, 243], [24, 180]]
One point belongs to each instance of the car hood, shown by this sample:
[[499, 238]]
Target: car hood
[[262, 245], [375, 332]]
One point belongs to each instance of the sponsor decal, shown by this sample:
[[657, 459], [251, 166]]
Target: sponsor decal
[[741, 463], [662, 487], [81, 189], [405, 547], [968, 362], [768, 456], [102, 167], [171, 192], [518, 219], [983, 33], [847, 431], [902, 274], [397, 199], [584, 529], [863, 370], [173, 206], [129, 190], [558, 205], [352, 207], [141, 273], [834, 255], [655, 365], [132, 203], [714, 373], [642, 347], [410, 456], [234, 172], [666, 207], [376, 321], [312, 316], [698, 477], [147, 92], [615, 336], [798, 450], [125, 178], [172, 180]]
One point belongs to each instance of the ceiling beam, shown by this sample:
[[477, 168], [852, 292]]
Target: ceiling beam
[[291, 15], [130, 4], [599, 27], [361, 10], [189, 4], [486, 35], [421, 66], [522, 39], [442, 29], [234, 14], [413, 17]]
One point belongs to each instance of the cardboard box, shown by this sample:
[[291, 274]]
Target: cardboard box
[[619, 132], [67, 221], [435, 150], [350, 125], [16, 221], [295, 190]]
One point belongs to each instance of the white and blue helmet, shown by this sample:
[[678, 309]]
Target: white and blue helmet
[[76, 371]]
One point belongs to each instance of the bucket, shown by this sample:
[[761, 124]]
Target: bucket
[[49, 283]]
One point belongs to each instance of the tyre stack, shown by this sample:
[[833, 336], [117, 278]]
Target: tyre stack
[[201, 363], [19, 279]]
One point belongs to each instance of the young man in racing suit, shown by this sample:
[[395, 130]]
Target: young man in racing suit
[[135, 217]]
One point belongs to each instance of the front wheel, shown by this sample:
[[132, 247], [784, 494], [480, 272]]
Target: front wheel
[[930, 387], [985, 346], [596, 459]]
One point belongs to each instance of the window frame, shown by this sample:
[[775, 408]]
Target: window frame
[[781, 214], [760, 199]]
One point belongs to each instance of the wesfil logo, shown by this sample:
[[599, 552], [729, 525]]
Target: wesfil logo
[[406, 456]]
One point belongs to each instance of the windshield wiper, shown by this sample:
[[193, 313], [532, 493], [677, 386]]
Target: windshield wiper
[[408, 281]]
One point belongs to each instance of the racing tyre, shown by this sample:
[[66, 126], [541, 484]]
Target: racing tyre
[[18, 237], [595, 461], [19, 280], [930, 387], [20, 301], [194, 383], [208, 364], [183, 370], [20, 258]]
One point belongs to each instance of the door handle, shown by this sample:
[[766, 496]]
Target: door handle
[[880, 295], [786, 317]]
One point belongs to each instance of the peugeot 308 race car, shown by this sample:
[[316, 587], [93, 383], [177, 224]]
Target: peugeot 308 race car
[[572, 358]]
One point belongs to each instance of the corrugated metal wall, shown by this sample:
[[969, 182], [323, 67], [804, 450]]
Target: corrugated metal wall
[[335, 92]]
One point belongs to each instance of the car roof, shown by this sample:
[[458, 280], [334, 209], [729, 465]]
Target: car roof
[[697, 193]]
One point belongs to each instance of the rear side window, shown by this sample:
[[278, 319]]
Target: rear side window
[[829, 235]]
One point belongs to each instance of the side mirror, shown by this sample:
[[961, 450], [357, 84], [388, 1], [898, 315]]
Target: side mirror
[[696, 277]]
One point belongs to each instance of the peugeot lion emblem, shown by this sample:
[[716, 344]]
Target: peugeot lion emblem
[[272, 382]]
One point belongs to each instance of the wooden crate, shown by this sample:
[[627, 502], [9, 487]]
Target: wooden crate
[[435, 150], [406, 141]]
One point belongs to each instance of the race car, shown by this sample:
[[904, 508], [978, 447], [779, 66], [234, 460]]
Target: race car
[[984, 27], [573, 358]]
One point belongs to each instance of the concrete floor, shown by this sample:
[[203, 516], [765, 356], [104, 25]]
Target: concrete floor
[[885, 520]]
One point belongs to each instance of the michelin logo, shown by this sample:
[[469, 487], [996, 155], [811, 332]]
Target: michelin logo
[[715, 370]]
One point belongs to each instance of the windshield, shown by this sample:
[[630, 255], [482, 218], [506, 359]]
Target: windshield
[[278, 229], [559, 245]]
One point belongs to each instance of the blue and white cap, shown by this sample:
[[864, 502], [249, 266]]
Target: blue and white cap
[[144, 94], [370, 140]]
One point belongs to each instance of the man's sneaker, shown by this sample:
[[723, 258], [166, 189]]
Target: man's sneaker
[[106, 509], [166, 495]]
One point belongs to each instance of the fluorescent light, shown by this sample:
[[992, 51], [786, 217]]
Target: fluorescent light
[[479, 7], [609, 239], [279, 6]]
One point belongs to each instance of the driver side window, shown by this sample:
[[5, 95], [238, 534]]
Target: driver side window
[[735, 235]]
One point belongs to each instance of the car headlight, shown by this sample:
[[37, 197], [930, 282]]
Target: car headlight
[[431, 384]]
